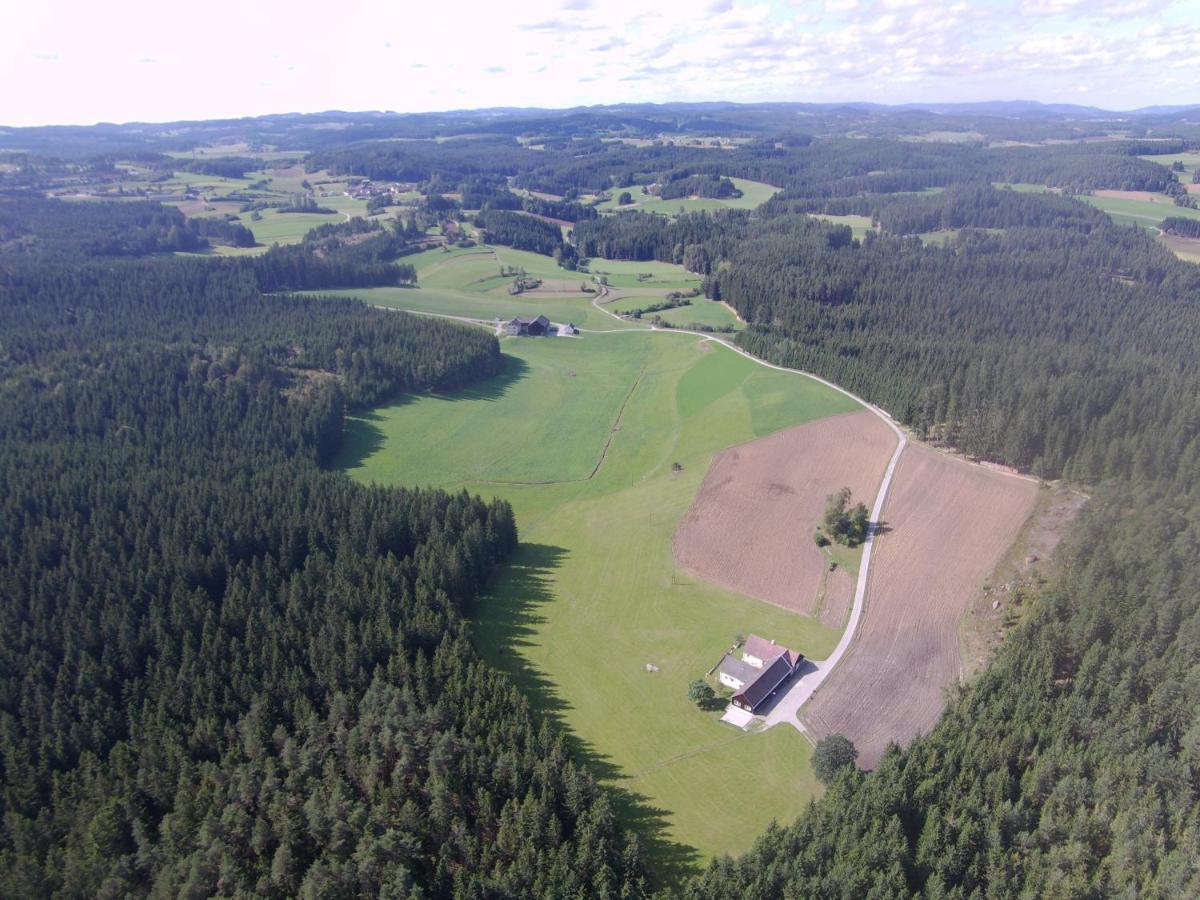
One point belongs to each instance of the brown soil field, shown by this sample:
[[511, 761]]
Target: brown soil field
[[1193, 188], [750, 527], [945, 525]]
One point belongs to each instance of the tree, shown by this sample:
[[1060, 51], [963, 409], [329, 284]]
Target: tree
[[699, 692], [833, 754], [625, 199], [860, 520]]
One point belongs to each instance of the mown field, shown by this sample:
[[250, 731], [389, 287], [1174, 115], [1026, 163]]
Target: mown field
[[593, 595], [1145, 213], [754, 193], [860, 225], [467, 282]]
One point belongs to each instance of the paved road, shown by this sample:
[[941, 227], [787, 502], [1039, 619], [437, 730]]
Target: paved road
[[800, 687]]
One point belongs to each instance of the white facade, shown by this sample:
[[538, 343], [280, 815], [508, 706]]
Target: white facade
[[731, 682]]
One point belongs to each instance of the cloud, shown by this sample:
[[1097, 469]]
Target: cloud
[[1104, 52], [559, 25], [611, 43]]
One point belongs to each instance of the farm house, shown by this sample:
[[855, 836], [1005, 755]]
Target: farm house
[[764, 666], [524, 327]]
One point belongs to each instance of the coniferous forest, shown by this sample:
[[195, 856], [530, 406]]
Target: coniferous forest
[[227, 670], [224, 668]]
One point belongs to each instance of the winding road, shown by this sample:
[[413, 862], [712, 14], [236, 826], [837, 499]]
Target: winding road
[[812, 674]]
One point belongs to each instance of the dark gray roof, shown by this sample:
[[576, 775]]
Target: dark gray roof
[[743, 672], [541, 320], [758, 691]]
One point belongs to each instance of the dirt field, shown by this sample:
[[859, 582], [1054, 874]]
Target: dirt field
[[946, 525], [750, 527]]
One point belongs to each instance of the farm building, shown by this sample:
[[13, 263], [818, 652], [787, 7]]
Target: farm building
[[763, 667], [536, 327]]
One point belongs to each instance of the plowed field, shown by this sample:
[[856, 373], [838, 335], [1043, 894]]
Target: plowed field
[[946, 524], [750, 528]]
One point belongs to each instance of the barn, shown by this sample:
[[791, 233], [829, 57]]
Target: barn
[[536, 327]]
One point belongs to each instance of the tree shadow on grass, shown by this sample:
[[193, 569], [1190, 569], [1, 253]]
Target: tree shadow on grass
[[363, 434], [506, 619], [512, 370]]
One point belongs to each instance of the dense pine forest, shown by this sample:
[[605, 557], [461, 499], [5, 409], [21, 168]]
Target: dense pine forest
[[225, 670], [228, 671]]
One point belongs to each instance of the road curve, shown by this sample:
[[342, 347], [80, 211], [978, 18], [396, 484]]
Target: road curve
[[800, 689], [787, 706]]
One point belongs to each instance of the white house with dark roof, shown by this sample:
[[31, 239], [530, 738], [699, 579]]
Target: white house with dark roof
[[763, 667]]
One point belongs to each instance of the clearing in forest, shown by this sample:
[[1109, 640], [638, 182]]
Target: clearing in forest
[[754, 193], [751, 526], [593, 594], [946, 524]]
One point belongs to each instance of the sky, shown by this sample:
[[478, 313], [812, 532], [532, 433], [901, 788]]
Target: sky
[[76, 62]]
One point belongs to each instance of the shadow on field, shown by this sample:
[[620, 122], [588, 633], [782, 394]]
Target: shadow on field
[[512, 370], [363, 434], [506, 619], [361, 437]]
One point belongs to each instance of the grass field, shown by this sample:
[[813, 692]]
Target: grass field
[[1191, 162], [593, 594], [754, 193], [467, 282], [859, 225], [701, 312], [1143, 213], [286, 228]]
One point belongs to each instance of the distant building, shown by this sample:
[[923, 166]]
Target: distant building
[[763, 667], [536, 327], [567, 329]]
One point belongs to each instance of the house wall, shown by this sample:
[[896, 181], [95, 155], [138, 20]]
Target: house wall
[[731, 682], [752, 660]]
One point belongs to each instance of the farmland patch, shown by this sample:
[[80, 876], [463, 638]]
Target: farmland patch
[[946, 524]]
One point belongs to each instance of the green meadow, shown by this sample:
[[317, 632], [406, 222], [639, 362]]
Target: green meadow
[[593, 596], [1143, 213], [1190, 160], [859, 225], [467, 282], [754, 194]]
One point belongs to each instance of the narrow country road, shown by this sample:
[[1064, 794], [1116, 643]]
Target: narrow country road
[[812, 673]]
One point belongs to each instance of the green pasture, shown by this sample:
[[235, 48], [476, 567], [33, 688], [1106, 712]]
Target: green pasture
[[754, 193], [859, 225], [700, 312], [1190, 160], [593, 595], [1022, 187], [1143, 213], [286, 228], [621, 273], [488, 306], [467, 282]]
